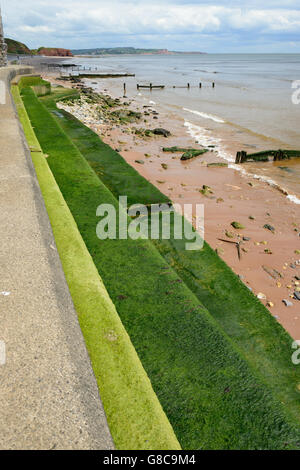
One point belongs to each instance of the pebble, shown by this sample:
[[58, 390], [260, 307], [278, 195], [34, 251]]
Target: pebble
[[287, 303], [269, 227], [229, 234], [297, 295], [237, 225], [261, 296]]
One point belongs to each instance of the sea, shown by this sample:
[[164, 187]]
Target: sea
[[252, 106]]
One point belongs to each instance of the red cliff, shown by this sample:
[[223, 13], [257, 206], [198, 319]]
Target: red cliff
[[55, 52]]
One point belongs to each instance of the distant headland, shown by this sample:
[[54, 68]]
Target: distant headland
[[16, 47], [127, 50]]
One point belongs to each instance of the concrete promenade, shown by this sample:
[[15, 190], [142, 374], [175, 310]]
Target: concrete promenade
[[48, 393]]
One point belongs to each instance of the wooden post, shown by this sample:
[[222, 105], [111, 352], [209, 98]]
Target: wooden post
[[213, 85], [188, 85], [150, 86], [138, 87], [124, 86], [244, 156], [241, 157], [200, 85]]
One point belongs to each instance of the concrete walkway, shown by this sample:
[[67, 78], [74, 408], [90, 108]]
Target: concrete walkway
[[48, 393]]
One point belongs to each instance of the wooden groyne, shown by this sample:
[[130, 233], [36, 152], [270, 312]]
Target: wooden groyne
[[150, 86], [266, 155], [161, 87], [104, 75]]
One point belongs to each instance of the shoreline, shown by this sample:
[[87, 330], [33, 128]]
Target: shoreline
[[235, 197]]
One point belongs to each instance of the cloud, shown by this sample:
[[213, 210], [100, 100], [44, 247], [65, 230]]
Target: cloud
[[92, 23], [36, 29]]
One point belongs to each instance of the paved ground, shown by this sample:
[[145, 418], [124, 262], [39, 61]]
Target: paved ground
[[48, 393]]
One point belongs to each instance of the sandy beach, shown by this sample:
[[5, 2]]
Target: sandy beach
[[270, 259]]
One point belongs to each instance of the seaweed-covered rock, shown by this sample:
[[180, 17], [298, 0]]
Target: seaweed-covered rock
[[125, 115], [175, 149], [161, 131], [269, 227], [141, 132], [217, 164], [237, 225], [192, 154], [206, 190], [187, 152]]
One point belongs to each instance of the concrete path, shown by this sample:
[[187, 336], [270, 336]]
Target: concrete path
[[48, 393]]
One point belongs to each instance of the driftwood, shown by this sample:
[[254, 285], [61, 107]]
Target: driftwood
[[237, 244]]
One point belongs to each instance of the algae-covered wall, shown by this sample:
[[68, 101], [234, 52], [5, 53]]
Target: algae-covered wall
[[40, 87]]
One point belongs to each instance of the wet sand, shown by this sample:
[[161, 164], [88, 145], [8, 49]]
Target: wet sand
[[234, 197]]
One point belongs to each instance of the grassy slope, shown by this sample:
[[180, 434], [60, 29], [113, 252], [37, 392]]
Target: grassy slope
[[265, 344], [16, 47], [111, 168], [211, 396], [134, 414]]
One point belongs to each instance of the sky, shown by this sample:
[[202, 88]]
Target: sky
[[223, 26]]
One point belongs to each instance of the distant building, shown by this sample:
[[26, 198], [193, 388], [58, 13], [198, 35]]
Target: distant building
[[3, 47]]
